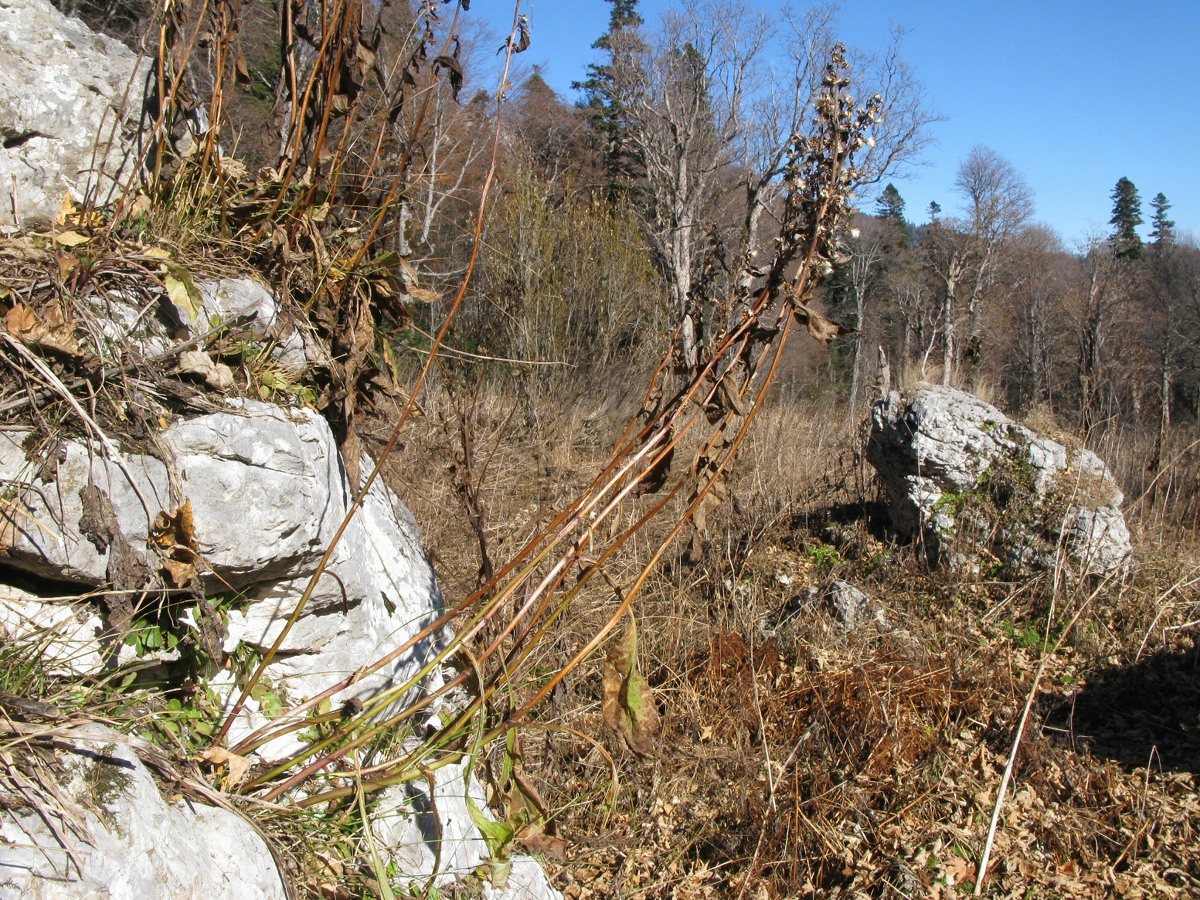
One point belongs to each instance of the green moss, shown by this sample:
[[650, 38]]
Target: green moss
[[105, 784]]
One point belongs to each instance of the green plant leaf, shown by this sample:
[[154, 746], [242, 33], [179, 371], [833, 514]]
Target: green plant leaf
[[497, 835], [182, 290]]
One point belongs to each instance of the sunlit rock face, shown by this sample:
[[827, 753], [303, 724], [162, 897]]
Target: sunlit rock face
[[978, 490], [68, 99]]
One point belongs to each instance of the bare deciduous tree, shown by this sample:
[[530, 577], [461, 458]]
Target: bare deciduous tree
[[711, 122]]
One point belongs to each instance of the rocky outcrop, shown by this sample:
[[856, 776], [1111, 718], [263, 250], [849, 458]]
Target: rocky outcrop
[[67, 98], [108, 832], [979, 490], [265, 491]]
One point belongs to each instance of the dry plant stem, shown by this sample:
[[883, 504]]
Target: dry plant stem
[[549, 583], [111, 371], [656, 438], [361, 494], [1188, 581], [110, 448], [635, 589], [1006, 778]]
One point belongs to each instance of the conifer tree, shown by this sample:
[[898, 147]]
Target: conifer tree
[[890, 208], [600, 98], [890, 205], [1164, 228], [1126, 217]]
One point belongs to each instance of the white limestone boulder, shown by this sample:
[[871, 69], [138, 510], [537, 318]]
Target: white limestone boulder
[[110, 833], [68, 97], [979, 490], [268, 492], [427, 830]]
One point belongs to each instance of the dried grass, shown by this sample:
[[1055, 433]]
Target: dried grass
[[801, 759]]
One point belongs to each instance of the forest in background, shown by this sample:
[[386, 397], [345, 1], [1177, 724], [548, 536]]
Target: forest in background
[[571, 248], [629, 212]]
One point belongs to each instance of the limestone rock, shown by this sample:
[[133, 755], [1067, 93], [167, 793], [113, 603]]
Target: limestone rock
[[428, 831], [41, 529], [62, 97], [980, 490], [850, 606], [121, 838], [268, 492], [63, 634], [151, 324]]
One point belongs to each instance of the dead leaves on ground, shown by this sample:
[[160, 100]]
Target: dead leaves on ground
[[235, 766], [53, 330]]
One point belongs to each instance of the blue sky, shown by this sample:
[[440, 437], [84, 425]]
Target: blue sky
[[1074, 93]]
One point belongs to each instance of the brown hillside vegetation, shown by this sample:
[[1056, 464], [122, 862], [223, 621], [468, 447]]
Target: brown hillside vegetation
[[797, 757], [636, 476]]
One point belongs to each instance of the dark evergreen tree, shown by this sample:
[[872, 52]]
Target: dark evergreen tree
[[890, 205], [599, 98], [1164, 228], [890, 208], [1126, 217]]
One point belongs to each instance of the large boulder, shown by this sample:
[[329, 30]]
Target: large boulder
[[106, 831], [67, 98], [267, 492], [979, 490]]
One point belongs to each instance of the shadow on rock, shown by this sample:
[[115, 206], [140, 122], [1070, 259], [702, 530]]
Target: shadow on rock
[[1147, 714]]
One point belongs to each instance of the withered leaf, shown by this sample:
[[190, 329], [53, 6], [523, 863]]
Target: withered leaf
[[821, 328], [656, 476], [175, 530], [628, 704], [547, 845], [455, 69], [217, 376], [522, 43], [70, 239], [236, 766], [20, 321], [728, 390], [54, 332], [178, 573], [241, 71]]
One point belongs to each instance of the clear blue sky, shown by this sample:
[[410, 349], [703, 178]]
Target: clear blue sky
[[1074, 93]]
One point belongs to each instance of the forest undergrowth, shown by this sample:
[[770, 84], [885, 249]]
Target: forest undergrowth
[[803, 755]]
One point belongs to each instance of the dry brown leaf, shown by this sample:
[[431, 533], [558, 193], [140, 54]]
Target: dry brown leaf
[[821, 328], [628, 705], [20, 321], [236, 766], [652, 481], [70, 239], [422, 295], [958, 870], [176, 537], [178, 573], [175, 530], [547, 845], [54, 332], [217, 376], [70, 214]]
